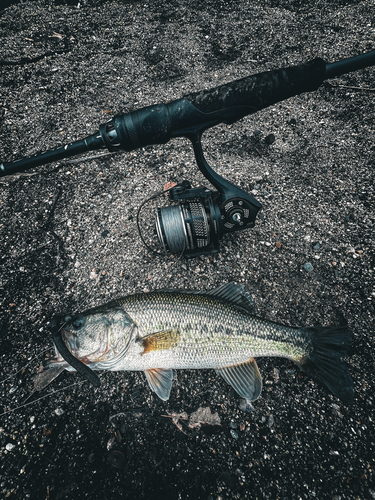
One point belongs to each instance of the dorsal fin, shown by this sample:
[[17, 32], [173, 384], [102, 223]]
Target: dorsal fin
[[236, 294]]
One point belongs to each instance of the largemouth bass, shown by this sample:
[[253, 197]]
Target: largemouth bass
[[160, 332]]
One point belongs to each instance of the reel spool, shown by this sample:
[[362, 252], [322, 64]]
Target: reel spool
[[191, 227]]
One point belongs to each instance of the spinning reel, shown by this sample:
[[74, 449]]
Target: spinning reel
[[196, 223]]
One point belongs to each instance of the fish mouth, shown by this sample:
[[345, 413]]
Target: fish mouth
[[70, 342], [105, 355], [68, 356]]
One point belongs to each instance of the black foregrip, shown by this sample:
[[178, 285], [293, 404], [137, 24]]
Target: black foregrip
[[196, 112], [144, 127], [256, 92]]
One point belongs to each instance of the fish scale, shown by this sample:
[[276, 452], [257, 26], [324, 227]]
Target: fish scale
[[160, 332], [212, 333]]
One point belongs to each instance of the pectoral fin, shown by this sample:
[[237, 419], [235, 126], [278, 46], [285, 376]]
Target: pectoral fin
[[244, 378], [160, 381], [167, 339]]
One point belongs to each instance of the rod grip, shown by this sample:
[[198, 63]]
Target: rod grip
[[255, 92]]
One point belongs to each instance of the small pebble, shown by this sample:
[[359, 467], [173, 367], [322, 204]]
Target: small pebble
[[111, 443], [234, 434], [59, 411], [10, 446], [270, 139], [316, 246], [308, 267], [116, 459], [233, 425]]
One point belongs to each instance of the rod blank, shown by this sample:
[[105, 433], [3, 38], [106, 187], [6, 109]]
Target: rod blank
[[351, 64]]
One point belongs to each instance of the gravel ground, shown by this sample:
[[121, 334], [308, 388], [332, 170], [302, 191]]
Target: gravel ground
[[69, 240]]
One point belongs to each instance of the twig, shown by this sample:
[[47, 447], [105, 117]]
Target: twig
[[87, 158], [350, 87], [16, 176]]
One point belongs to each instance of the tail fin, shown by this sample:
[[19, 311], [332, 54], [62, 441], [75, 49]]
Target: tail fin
[[324, 361]]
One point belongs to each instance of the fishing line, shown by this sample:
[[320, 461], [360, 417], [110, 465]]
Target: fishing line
[[176, 242], [27, 364], [147, 200], [58, 342], [58, 322], [42, 397]]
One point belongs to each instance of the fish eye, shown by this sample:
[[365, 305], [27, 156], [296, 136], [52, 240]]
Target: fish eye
[[78, 322]]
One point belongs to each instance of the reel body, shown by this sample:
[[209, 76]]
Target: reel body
[[195, 225]]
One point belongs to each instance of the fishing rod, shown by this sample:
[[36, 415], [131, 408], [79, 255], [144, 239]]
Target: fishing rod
[[199, 217]]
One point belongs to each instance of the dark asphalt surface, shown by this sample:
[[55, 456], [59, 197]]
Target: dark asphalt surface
[[69, 240]]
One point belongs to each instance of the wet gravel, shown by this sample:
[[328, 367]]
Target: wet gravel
[[69, 240]]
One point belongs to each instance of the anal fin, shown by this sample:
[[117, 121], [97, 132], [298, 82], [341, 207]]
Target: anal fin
[[244, 378], [160, 381]]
